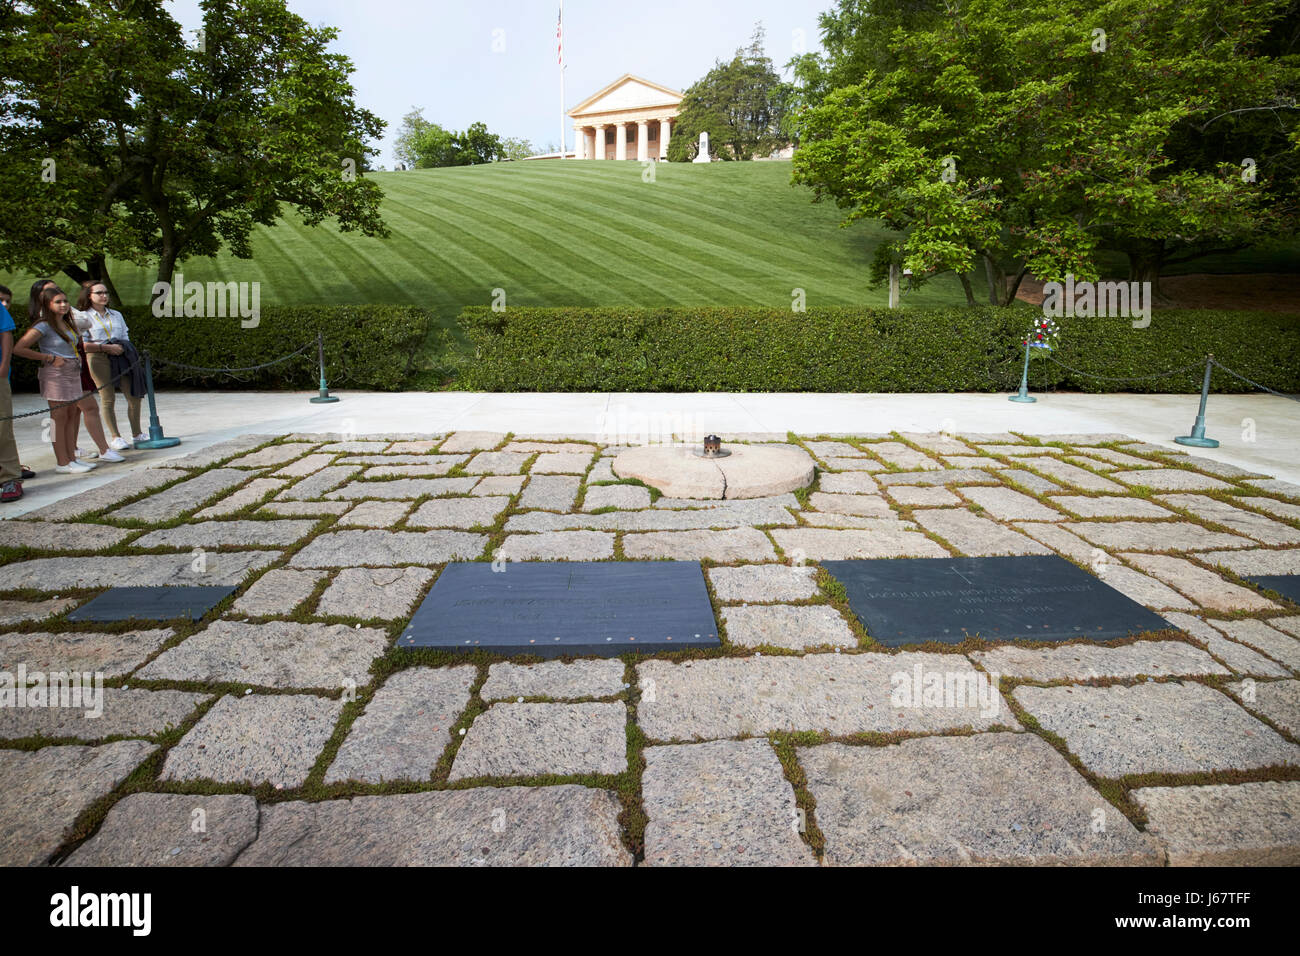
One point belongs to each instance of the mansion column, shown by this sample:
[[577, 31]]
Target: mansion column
[[620, 141], [642, 140], [664, 132], [600, 142], [579, 143]]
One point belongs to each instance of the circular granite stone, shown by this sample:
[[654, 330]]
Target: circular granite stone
[[750, 471]]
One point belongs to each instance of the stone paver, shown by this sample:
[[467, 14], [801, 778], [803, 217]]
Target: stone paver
[[14, 612], [105, 496], [975, 536], [1089, 661], [852, 465], [250, 494], [602, 470], [561, 463], [47, 789], [926, 497], [425, 469], [402, 488], [1035, 483], [872, 505], [739, 544], [343, 549], [420, 447], [525, 740], [834, 449], [1281, 647], [43, 536], [1073, 475], [722, 803], [1247, 824], [257, 739], [458, 513], [973, 461], [1239, 657], [1291, 625], [555, 679], [1007, 504], [818, 544], [550, 492], [1156, 728], [837, 693], [406, 726], [140, 570], [274, 455], [1278, 700], [1001, 798], [736, 515], [901, 456], [487, 826], [383, 593], [555, 448], [358, 447], [303, 466], [293, 509], [1282, 561], [557, 546], [1204, 587], [1280, 509], [1221, 469], [279, 654], [113, 655], [1155, 535], [1146, 590], [119, 713], [889, 525], [278, 591], [763, 582], [1170, 479], [784, 625], [215, 453], [1256, 526], [471, 441], [938, 443], [374, 514], [496, 463], [1118, 458], [948, 476], [1110, 506], [183, 497], [1014, 451], [325, 481], [1274, 486], [158, 829], [848, 483], [507, 485], [217, 534], [622, 497]]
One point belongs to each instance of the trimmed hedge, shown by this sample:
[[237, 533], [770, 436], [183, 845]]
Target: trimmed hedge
[[861, 350], [366, 347]]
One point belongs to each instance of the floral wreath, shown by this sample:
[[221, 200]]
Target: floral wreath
[[1043, 335]]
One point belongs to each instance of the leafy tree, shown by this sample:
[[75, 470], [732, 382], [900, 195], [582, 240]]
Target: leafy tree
[[741, 104], [514, 147], [166, 149], [425, 145]]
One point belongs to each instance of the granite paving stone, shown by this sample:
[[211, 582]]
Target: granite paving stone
[[888, 525], [836, 693], [216, 453], [256, 739], [1204, 587], [975, 536], [402, 488], [1256, 562], [118, 713], [1001, 798], [217, 534], [562, 463], [1239, 657], [444, 462], [458, 513], [1062, 541], [1170, 479], [140, 570], [1280, 509], [721, 803], [343, 549], [1248, 523], [848, 483], [757, 507], [557, 546], [1155, 535], [1220, 469], [406, 726], [1090, 661], [1272, 485], [1112, 457], [824, 544], [1073, 475], [623, 497], [1291, 625], [359, 447], [1142, 588], [250, 494], [527, 740], [1246, 824], [105, 495], [834, 449], [872, 505], [758, 583], [1006, 504], [183, 497], [496, 463], [1111, 506], [278, 591], [1176, 727], [418, 447], [602, 470], [45, 536], [947, 476], [739, 544], [280, 654], [157, 829], [567, 825], [1020, 450], [46, 790], [274, 455], [384, 593], [990, 437], [304, 466], [422, 470], [507, 485], [1278, 700], [1150, 448], [852, 464], [926, 497], [1281, 647], [557, 448], [15, 612], [788, 626], [939, 443], [554, 679], [1086, 438], [326, 480], [550, 492], [739, 515], [113, 655], [973, 461], [471, 441], [293, 509], [902, 456], [1035, 483], [374, 514]]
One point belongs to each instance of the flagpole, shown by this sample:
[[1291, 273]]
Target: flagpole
[[560, 32]]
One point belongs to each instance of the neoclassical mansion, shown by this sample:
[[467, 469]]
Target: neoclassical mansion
[[631, 118]]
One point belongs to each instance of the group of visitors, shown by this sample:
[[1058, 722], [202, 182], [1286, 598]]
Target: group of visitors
[[84, 352]]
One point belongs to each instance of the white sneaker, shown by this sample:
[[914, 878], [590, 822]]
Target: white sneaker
[[111, 455], [85, 455], [119, 444], [143, 436], [73, 468], [88, 465]]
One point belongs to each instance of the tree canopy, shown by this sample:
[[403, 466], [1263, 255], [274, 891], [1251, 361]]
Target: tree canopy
[[425, 145]]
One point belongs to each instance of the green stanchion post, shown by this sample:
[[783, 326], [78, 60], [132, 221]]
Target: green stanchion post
[[156, 438], [324, 397], [1197, 438], [1023, 395]]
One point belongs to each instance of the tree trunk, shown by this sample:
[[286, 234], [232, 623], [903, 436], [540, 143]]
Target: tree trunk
[[966, 287], [166, 269], [96, 271], [1144, 266], [997, 280]]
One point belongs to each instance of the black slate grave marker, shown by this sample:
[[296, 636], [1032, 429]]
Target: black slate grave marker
[[1038, 598], [152, 604], [552, 608], [1287, 585]]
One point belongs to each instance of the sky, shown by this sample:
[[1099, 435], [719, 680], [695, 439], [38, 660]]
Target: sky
[[494, 61]]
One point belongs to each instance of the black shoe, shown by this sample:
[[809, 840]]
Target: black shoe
[[27, 472]]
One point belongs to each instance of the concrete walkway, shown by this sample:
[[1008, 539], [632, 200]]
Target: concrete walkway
[[1257, 432]]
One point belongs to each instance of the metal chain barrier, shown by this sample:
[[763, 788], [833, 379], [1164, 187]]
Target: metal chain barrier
[[230, 371], [111, 383], [1251, 381], [1127, 378]]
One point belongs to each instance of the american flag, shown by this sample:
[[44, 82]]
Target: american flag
[[559, 37]]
